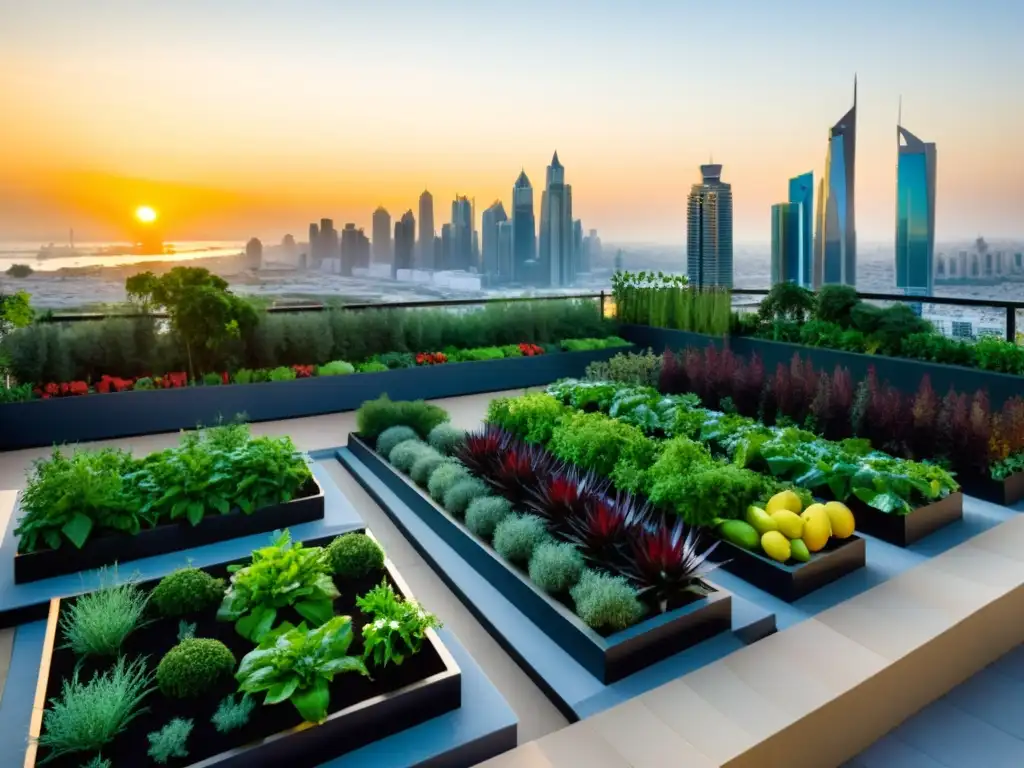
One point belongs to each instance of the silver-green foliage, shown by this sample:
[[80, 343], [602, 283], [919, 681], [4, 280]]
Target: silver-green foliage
[[424, 466], [186, 630], [606, 602], [392, 436], [405, 454], [444, 477], [97, 623], [556, 567], [516, 537], [458, 497], [231, 714], [445, 438], [484, 514], [98, 761], [170, 740], [87, 716]]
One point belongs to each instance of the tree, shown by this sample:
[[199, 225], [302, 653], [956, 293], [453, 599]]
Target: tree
[[15, 311], [19, 270], [787, 301], [203, 312]]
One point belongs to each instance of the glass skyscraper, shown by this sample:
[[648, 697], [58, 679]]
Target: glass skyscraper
[[835, 244], [709, 230], [792, 225], [915, 213]]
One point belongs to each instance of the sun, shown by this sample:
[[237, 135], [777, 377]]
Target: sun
[[145, 214]]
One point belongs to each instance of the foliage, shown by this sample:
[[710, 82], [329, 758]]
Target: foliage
[[170, 740], [185, 591], [297, 664], [606, 603], [591, 441], [281, 373], [374, 416], [193, 667], [628, 368], [283, 574], [98, 761], [485, 513], [556, 567], [461, 494], [88, 716], [355, 555], [667, 301], [532, 417], [15, 310], [999, 355], [232, 715], [392, 436], [787, 301], [702, 498], [186, 630], [444, 477], [404, 455], [834, 304], [398, 626], [445, 438], [335, 368], [666, 560], [517, 536], [97, 623]]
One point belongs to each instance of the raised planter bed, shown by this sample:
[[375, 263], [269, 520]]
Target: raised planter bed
[[1007, 492], [608, 658], [361, 711], [125, 414], [791, 582], [904, 530], [114, 547]]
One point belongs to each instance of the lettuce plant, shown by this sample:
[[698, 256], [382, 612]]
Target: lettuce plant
[[398, 628], [298, 664], [285, 573]]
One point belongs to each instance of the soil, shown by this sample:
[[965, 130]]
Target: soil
[[155, 639]]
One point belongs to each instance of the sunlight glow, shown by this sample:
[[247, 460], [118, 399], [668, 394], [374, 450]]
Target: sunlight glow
[[145, 214]]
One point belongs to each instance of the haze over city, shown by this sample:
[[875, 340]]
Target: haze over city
[[240, 119]]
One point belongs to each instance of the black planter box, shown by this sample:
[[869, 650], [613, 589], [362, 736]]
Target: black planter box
[[607, 658], [904, 530], [115, 547], [344, 731], [126, 414], [791, 582], [1006, 492]]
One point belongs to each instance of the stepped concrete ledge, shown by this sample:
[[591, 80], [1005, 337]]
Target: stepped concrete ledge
[[824, 690]]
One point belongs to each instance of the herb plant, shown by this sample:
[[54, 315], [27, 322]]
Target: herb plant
[[185, 591], [170, 741], [232, 715], [97, 623], [355, 555], [194, 666], [398, 628]]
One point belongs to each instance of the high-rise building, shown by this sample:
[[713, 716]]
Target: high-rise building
[[327, 242], [314, 242], [556, 228], [405, 242], [355, 249], [447, 256], [915, 213], [462, 233], [835, 241], [577, 247], [792, 224], [254, 254], [425, 246], [524, 228], [504, 228], [490, 263], [438, 262], [591, 251], [709, 230], [381, 236]]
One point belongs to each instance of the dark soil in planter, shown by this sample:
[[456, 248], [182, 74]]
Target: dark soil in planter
[[154, 640]]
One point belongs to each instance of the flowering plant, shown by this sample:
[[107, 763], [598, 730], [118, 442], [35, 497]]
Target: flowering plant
[[171, 380], [431, 358], [62, 389], [398, 627], [303, 371], [530, 350], [113, 384]]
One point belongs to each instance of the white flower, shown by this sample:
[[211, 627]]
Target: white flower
[[421, 616], [394, 625], [378, 624]]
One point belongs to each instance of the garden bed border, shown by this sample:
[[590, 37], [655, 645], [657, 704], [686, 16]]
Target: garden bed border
[[904, 530]]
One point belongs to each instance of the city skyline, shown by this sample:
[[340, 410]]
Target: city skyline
[[288, 123]]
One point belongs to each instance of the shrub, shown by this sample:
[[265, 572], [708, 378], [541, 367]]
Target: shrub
[[98, 761], [88, 716], [354, 556], [424, 467], [444, 477], [170, 740], [556, 568], [459, 496], [835, 303], [232, 715], [193, 667], [371, 366], [336, 368], [595, 442], [703, 497], [97, 623], [392, 436], [787, 301], [374, 416], [186, 630], [516, 537], [533, 417], [484, 513], [406, 453], [632, 368], [606, 603], [185, 591], [281, 373], [444, 438], [144, 383]]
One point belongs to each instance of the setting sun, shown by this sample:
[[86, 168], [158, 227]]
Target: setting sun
[[145, 214]]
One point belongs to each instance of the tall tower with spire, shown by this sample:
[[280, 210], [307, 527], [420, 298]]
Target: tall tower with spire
[[524, 230], [915, 211], [835, 242], [557, 260]]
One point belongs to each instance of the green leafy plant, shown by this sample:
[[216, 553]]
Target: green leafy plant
[[232, 715], [593, 441], [170, 741], [606, 603], [404, 455], [212, 380], [297, 664], [193, 667], [556, 567], [485, 513], [355, 556], [283, 574], [186, 630], [425, 465], [97, 623], [398, 628], [516, 537], [185, 591], [371, 366], [374, 416], [462, 493], [394, 436], [444, 477], [787, 301], [282, 373], [533, 417], [336, 368], [445, 438], [98, 761], [88, 716]]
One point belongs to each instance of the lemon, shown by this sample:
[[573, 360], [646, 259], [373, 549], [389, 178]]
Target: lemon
[[776, 546], [841, 519], [790, 524], [817, 529], [784, 500]]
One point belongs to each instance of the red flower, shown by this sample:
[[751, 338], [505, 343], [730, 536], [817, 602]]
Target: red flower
[[224, 378], [529, 350], [303, 371], [177, 379], [431, 358]]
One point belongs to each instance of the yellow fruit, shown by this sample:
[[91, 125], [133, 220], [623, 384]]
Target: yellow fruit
[[761, 520], [816, 531], [800, 552], [841, 519], [783, 500], [789, 523], [776, 546], [816, 510]]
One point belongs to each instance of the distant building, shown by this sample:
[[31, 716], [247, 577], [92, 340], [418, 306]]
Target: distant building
[[462, 234], [314, 244], [327, 243], [709, 230], [355, 249], [490, 263], [619, 260], [254, 254], [915, 214], [288, 246], [577, 247], [524, 228], [505, 266], [438, 253], [835, 242], [591, 251], [447, 260], [405, 242], [556, 228], [792, 225], [425, 245], [381, 236]]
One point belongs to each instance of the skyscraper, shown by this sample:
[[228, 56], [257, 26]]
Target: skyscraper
[[447, 261], [709, 230], [524, 227], [835, 242], [490, 266], [314, 242], [577, 247], [405, 242], [556, 228], [915, 213], [462, 233], [792, 224], [355, 249], [254, 254], [425, 249], [327, 243], [381, 236], [504, 251]]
